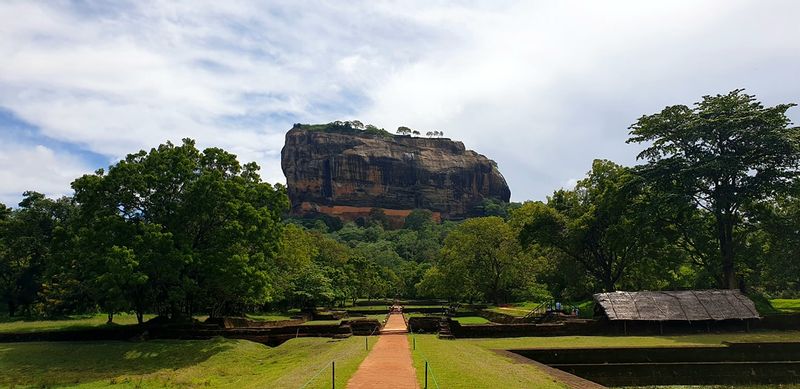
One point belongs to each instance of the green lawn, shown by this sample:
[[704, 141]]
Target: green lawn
[[384, 308], [377, 316], [321, 322], [269, 316], [463, 364], [371, 308], [786, 305], [73, 322], [472, 320], [521, 309], [472, 363], [219, 363]]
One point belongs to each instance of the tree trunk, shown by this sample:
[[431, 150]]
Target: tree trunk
[[725, 236], [12, 309], [110, 318], [496, 290], [139, 317], [608, 284]]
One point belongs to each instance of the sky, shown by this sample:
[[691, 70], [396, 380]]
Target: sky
[[541, 87]]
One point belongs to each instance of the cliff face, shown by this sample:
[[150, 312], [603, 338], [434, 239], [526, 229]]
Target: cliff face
[[347, 173]]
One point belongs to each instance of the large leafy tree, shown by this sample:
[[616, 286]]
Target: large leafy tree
[[480, 256], [30, 238], [600, 224], [182, 229], [779, 226], [725, 152]]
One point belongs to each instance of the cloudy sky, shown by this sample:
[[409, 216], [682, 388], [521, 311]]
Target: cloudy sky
[[542, 87]]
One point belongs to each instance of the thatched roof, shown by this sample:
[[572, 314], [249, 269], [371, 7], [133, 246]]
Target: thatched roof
[[686, 305]]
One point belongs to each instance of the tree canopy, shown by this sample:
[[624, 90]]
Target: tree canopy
[[179, 229], [721, 155]]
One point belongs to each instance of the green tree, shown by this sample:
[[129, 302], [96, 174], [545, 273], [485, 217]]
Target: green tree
[[215, 224], [492, 207], [418, 219], [722, 154], [778, 232], [121, 274], [377, 217], [481, 254], [601, 224], [450, 284], [29, 237]]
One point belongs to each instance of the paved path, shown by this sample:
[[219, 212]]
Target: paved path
[[389, 364]]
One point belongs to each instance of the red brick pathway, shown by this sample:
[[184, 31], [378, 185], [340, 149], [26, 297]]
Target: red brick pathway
[[389, 364]]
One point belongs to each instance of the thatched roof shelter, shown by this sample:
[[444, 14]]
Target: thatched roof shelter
[[686, 305]]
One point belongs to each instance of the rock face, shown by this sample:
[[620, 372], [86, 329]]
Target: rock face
[[346, 172]]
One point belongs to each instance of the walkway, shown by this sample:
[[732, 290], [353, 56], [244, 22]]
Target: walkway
[[389, 364]]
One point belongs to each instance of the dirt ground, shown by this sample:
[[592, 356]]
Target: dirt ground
[[389, 364]]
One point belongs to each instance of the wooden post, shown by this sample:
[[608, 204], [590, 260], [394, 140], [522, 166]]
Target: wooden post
[[414, 338], [426, 374], [333, 374], [366, 343]]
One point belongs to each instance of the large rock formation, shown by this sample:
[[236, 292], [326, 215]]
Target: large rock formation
[[346, 172]]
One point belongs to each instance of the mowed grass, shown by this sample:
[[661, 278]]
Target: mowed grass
[[69, 323], [218, 363], [462, 364], [473, 363], [520, 309], [786, 305], [269, 316], [322, 322], [472, 320]]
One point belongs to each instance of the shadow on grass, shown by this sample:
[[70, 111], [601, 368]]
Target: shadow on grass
[[69, 363]]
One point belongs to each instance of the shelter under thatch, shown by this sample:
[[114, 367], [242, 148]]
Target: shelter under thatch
[[686, 305]]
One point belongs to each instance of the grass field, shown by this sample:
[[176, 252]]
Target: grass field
[[472, 320], [321, 322], [463, 363], [786, 305], [69, 323], [520, 309], [218, 363], [269, 316], [472, 363], [377, 316]]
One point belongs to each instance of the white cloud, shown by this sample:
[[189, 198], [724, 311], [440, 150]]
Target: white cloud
[[545, 88], [541, 87], [37, 168]]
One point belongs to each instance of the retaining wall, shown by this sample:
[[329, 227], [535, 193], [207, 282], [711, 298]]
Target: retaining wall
[[577, 327], [428, 325], [243, 322], [363, 327], [734, 364], [268, 335]]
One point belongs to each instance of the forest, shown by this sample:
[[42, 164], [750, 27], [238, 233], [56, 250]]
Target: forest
[[177, 231]]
